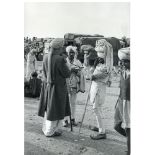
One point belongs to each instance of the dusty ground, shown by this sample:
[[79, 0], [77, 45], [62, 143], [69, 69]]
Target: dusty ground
[[37, 144]]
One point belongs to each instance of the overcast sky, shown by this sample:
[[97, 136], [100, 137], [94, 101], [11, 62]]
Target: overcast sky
[[55, 19]]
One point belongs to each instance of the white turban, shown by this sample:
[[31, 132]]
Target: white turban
[[124, 53], [71, 48]]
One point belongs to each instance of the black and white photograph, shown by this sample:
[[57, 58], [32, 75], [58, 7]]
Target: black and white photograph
[[66, 89], [77, 78]]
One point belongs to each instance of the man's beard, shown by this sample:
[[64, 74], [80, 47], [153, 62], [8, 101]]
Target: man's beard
[[71, 58]]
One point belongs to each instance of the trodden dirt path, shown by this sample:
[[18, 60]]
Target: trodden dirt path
[[37, 144]]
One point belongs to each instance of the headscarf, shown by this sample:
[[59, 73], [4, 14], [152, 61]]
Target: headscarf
[[103, 46], [124, 53], [57, 43]]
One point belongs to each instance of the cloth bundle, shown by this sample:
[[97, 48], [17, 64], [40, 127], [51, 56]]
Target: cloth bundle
[[103, 46], [86, 47]]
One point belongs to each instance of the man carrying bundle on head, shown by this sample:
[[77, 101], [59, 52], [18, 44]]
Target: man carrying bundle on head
[[75, 83], [100, 75], [122, 108]]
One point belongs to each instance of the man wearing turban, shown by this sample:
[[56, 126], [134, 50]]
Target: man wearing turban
[[122, 108], [73, 82], [57, 101]]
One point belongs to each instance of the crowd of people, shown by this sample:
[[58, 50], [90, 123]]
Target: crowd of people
[[64, 76]]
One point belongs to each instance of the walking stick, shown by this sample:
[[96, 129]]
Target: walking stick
[[70, 115], [84, 110], [71, 123]]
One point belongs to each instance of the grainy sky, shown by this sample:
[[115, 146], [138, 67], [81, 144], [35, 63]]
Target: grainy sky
[[49, 19]]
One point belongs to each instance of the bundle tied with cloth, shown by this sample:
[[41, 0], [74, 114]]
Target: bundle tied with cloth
[[86, 47], [103, 46], [105, 51]]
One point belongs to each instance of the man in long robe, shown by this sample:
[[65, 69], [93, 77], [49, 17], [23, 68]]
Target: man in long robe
[[57, 101]]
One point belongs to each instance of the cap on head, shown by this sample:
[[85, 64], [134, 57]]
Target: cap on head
[[57, 43]]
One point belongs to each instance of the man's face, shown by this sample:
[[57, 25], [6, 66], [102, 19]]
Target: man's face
[[125, 64], [101, 60], [101, 53], [71, 55], [86, 52]]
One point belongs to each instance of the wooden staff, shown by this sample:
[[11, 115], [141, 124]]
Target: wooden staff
[[84, 110]]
